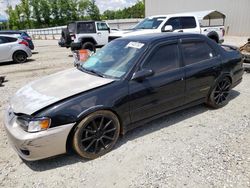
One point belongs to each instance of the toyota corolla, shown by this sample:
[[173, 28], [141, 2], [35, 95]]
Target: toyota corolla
[[127, 83]]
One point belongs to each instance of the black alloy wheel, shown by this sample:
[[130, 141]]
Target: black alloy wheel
[[19, 57], [96, 134], [220, 94]]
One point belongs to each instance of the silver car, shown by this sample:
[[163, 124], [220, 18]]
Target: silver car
[[14, 49]]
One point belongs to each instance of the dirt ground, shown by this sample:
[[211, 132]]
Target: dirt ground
[[197, 147]]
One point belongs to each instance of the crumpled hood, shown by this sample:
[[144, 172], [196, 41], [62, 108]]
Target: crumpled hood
[[48, 90], [133, 32]]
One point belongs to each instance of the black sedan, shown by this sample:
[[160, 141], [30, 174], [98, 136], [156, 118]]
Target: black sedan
[[128, 82]]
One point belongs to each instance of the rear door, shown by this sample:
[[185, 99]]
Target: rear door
[[102, 33], [5, 48], [202, 67], [164, 90]]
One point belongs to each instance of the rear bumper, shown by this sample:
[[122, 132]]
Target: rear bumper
[[36, 146], [237, 78]]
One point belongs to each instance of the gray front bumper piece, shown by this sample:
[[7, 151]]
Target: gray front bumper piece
[[39, 145]]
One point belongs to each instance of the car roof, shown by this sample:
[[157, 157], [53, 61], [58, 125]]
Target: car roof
[[150, 38], [11, 32], [10, 36]]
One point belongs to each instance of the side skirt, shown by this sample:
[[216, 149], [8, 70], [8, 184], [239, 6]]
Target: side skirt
[[144, 121]]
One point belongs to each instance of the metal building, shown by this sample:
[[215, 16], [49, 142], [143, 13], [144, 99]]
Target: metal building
[[237, 11]]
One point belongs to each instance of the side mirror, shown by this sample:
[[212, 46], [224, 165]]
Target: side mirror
[[168, 28], [142, 74], [75, 46]]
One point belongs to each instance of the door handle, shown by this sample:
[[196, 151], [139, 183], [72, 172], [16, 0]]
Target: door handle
[[180, 31], [99, 33]]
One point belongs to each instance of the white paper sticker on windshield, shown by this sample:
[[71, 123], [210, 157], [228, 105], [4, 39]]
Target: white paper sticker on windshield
[[137, 45]]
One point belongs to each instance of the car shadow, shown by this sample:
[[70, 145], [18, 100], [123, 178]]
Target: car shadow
[[155, 125], [9, 63]]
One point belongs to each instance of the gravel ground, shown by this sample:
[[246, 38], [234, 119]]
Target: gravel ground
[[197, 147]]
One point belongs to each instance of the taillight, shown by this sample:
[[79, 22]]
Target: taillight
[[24, 43], [223, 32]]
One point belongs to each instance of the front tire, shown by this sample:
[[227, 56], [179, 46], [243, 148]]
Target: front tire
[[219, 96], [20, 57], [96, 134]]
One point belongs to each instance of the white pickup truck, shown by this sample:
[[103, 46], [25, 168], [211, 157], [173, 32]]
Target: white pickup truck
[[209, 23]]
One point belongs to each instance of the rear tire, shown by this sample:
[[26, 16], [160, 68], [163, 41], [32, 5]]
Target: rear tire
[[90, 46], [20, 57], [219, 96], [96, 134]]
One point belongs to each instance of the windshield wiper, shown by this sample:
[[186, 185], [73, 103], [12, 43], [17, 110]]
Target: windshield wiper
[[95, 72], [91, 71]]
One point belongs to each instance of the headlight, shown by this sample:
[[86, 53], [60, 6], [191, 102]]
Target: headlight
[[34, 124]]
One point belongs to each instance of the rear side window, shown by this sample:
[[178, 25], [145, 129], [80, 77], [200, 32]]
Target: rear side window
[[164, 58], [4, 40], [11, 39], [195, 52], [102, 27], [188, 22], [88, 27]]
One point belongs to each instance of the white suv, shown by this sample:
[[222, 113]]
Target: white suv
[[90, 34], [14, 49]]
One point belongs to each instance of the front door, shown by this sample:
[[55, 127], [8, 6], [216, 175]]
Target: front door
[[163, 91], [102, 33]]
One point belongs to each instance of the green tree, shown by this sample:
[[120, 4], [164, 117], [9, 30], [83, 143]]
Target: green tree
[[93, 11], [55, 12], [26, 13], [36, 15], [45, 12]]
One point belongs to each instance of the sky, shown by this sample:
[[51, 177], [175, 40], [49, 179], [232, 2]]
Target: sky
[[102, 4]]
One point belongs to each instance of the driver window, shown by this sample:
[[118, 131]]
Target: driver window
[[175, 23], [164, 58]]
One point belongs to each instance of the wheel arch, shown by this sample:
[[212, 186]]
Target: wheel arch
[[19, 50], [88, 39], [85, 114], [223, 75]]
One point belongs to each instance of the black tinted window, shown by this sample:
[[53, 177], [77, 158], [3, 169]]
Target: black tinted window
[[86, 27], [194, 52], [2, 40], [7, 40], [188, 22], [163, 59], [175, 23], [11, 39]]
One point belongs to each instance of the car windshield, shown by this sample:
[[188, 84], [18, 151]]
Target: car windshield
[[115, 59], [150, 23]]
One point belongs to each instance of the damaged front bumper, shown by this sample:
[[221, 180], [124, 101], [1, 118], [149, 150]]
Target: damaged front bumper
[[39, 145]]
